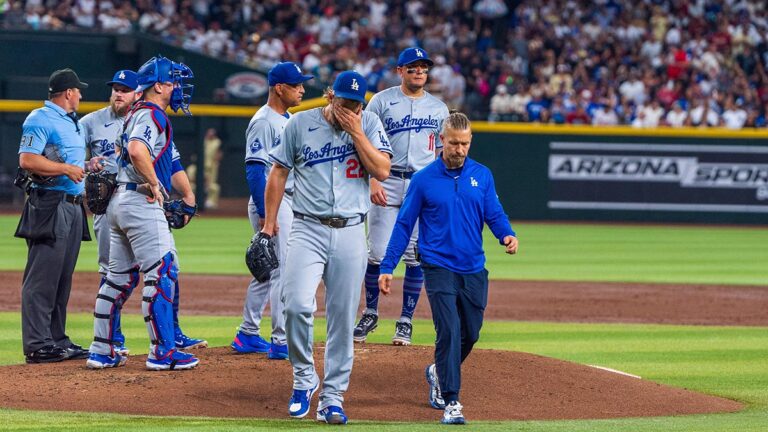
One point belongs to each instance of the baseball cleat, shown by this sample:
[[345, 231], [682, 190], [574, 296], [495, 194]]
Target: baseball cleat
[[101, 361], [278, 352], [121, 349], [298, 406], [174, 360], [332, 415], [452, 414], [246, 344], [403, 331], [435, 395], [367, 324], [184, 342]]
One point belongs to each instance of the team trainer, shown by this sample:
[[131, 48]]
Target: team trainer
[[452, 197]]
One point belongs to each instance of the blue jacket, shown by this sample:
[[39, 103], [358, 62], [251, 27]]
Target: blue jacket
[[451, 213]]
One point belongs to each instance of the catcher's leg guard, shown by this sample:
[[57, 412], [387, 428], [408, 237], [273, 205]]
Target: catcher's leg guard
[[113, 293], [157, 306]]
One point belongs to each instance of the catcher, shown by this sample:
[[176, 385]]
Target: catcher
[[149, 166]]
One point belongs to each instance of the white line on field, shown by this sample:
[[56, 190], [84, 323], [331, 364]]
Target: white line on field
[[615, 371]]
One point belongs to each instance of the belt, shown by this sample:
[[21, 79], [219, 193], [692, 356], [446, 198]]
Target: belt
[[406, 175], [333, 222], [137, 187], [74, 199]]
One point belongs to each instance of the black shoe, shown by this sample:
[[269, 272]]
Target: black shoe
[[367, 324], [76, 352], [47, 354]]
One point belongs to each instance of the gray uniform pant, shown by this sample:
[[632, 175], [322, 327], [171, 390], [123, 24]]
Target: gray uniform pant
[[260, 292], [381, 221], [48, 281], [139, 236], [337, 256], [101, 229]]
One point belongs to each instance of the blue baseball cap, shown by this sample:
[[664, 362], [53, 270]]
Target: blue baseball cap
[[125, 77], [411, 55], [350, 85], [286, 73]]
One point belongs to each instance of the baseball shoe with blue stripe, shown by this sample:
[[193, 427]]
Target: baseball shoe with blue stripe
[[452, 414], [298, 406], [184, 342], [332, 415], [435, 395], [101, 361], [246, 344], [174, 360], [278, 352]]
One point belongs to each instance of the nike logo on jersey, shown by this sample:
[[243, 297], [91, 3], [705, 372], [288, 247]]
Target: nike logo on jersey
[[394, 103], [108, 124], [314, 129]]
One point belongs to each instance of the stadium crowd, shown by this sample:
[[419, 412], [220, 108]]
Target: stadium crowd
[[644, 63]]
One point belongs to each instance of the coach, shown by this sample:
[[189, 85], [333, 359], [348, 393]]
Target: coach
[[452, 197], [52, 150]]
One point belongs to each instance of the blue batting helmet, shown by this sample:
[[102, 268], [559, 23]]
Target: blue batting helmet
[[162, 70]]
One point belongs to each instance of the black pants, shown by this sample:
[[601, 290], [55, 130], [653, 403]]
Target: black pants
[[458, 302], [48, 279]]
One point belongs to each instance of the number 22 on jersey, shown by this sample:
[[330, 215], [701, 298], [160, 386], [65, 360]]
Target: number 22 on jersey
[[354, 169]]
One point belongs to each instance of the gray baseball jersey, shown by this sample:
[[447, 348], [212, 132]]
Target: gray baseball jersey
[[412, 125], [330, 179], [142, 126], [102, 130], [330, 182], [264, 128]]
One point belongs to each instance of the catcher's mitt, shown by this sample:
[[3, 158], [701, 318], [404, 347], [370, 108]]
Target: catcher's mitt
[[98, 191], [260, 257], [176, 210]]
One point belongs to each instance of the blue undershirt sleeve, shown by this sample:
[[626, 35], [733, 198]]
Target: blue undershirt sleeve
[[257, 182], [176, 166]]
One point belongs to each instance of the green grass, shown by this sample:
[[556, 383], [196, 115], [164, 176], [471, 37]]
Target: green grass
[[725, 361], [721, 255]]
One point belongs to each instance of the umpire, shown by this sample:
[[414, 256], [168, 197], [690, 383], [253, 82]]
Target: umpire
[[53, 222], [452, 198]]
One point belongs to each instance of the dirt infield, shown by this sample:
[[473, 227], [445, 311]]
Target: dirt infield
[[532, 387]]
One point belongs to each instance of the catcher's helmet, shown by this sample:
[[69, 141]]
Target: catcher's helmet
[[162, 70]]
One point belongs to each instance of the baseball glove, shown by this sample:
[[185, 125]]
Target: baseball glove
[[260, 257], [176, 210], [98, 191]]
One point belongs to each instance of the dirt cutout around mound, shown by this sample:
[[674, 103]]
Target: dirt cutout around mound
[[497, 385]]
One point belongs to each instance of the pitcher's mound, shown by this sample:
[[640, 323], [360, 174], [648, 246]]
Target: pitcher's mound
[[387, 384]]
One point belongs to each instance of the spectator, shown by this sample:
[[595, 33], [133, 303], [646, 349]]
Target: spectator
[[733, 116], [676, 117], [605, 116], [579, 117], [501, 105]]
